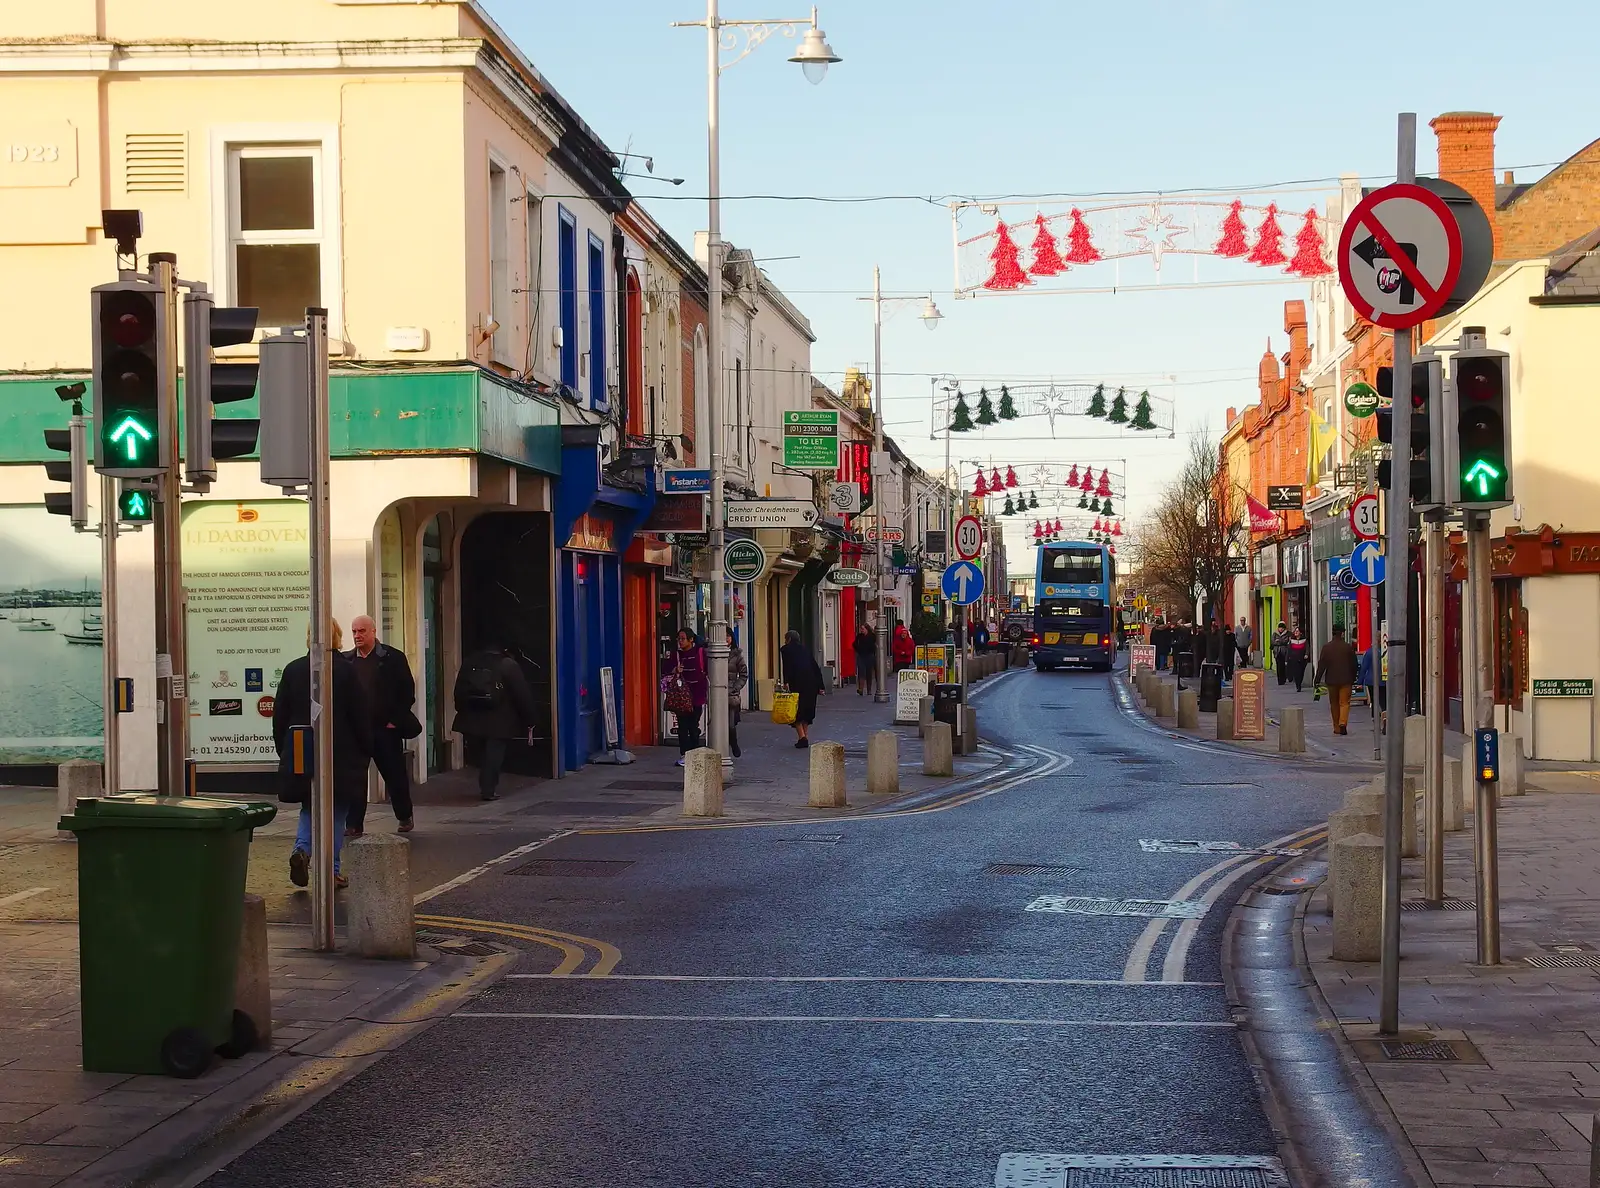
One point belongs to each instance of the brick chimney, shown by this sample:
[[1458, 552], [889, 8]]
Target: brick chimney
[[1299, 353], [1267, 375], [1466, 157]]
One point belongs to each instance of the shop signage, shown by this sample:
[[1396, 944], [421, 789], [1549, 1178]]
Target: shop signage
[[844, 498], [608, 703], [911, 686], [1342, 583], [1564, 687], [1267, 565], [771, 513], [1331, 537], [690, 542], [1142, 656], [743, 561], [933, 543], [845, 575], [887, 535], [811, 439], [676, 513], [1360, 400], [1237, 566], [929, 600], [1286, 498], [1249, 703], [1297, 561], [686, 482], [935, 660], [594, 534]]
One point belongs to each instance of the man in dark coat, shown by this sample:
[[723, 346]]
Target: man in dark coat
[[494, 705], [352, 749], [1336, 668], [389, 689]]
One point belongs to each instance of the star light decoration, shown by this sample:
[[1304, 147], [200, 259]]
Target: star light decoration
[[1041, 476], [1157, 234], [1054, 403]]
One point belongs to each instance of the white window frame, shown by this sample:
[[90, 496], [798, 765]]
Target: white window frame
[[498, 209], [266, 139]]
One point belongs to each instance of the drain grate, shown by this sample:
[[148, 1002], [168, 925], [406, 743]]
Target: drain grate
[[1028, 868], [1425, 1050], [1079, 905], [1444, 905], [573, 868], [1565, 961], [1139, 1171], [467, 949]]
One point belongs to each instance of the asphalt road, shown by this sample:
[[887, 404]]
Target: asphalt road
[[855, 1002]]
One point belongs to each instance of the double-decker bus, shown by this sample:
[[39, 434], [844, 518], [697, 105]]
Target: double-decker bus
[[1075, 606]]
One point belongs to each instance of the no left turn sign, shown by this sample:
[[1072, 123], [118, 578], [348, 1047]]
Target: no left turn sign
[[1399, 256]]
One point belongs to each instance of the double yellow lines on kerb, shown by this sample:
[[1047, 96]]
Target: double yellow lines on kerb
[[576, 951]]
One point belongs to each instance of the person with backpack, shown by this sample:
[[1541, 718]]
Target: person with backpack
[[494, 707], [684, 685]]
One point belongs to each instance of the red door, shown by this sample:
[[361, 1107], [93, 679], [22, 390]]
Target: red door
[[639, 718]]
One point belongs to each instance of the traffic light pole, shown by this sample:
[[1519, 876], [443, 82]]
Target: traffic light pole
[[1376, 642], [111, 764], [1398, 575], [1433, 703], [1476, 685], [172, 667], [320, 650]]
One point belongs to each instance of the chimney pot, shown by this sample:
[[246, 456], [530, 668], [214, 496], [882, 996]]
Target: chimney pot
[[1510, 178]]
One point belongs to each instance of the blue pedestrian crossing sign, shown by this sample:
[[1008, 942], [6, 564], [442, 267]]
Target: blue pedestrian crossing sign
[[1366, 562], [963, 583]]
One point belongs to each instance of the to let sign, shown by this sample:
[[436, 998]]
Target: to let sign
[[811, 439]]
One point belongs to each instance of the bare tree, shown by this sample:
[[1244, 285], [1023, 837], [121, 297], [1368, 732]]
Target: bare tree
[[1184, 544]]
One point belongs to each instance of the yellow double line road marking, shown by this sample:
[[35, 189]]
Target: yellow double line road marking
[[575, 950]]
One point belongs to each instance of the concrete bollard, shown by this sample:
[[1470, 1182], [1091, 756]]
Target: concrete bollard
[[1513, 767], [1166, 703], [1347, 822], [883, 763], [1292, 730], [924, 716], [1453, 798], [75, 780], [1225, 718], [1189, 710], [966, 742], [702, 783], [1408, 818], [1416, 740], [252, 984], [827, 775], [1469, 779], [378, 908], [1357, 881], [937, 757]]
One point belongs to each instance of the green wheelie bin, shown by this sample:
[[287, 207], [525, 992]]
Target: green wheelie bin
[[160, 900]]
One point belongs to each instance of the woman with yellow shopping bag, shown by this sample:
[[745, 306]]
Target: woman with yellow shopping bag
[[804, 681]]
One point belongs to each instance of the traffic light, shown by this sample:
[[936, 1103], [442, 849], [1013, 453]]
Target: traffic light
[[131, 427], [74, 442], [135, 504], [207, 383], [1479, 430], [1424, 449], [286, 411]]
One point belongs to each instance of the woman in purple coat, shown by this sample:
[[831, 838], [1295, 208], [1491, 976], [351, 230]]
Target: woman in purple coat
[[687, 664]]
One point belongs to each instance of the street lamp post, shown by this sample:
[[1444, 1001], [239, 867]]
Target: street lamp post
[[930, 318], [814, 55]]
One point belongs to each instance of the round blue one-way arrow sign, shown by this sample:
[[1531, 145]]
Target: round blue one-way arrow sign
[[1366, 562], [963, 583]]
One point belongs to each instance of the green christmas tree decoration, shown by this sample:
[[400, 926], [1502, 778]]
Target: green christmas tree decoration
[[1033, 500], [1097, 402], [1008, 407], [1083, 502], [1106, 508], [961, 419], [985, 408], [1141, 413], [1010, 508], [1094, 506], [1119, 408]]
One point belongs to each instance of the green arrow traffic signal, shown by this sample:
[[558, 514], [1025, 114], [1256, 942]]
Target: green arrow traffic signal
[[129, 434], [1482, 473]]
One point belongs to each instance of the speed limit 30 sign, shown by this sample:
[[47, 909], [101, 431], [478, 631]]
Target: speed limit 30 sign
[[969, 537], [1364, 517]]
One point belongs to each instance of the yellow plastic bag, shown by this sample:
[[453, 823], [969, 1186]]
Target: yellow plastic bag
[[784, 708]]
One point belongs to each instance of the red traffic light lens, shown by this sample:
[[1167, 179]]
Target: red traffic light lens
[[130, 318], [1479, 379]]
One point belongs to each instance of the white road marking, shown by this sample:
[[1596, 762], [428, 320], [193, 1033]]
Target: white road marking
[[461, 880], [1083, 905], [1029, 1169], [19, 896], [888, 979], [1206, 1025]]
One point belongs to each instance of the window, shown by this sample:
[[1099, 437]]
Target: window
[[499, 261], [633, 389], [1073, 566], [736, 425], [567, 281], [700, 431], [1062, 609], [275, 230], [597, 322]]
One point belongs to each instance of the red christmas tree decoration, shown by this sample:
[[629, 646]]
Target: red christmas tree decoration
[[1269, 241], [1007, 272], [1011, 478], [1079, 249], [1047, 260], [1104, 489], [1233, 242], [1086, 485], [996, 483], [1099, 525], [1072, 476], [1116, 529], [1038, 531], [980, 488], [1308, 259]]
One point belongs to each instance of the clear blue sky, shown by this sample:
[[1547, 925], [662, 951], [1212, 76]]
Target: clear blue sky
[[1030, 96]]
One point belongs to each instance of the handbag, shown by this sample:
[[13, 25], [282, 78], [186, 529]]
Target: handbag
[[785, 706], [678, 699]]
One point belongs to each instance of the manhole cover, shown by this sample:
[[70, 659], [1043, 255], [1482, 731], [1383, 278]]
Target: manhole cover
[[1444, 905], [572, 868], [1079, 905], [1139, 1171], [1028, 868], [467, 948], [1565, 961], [1426, 1050]]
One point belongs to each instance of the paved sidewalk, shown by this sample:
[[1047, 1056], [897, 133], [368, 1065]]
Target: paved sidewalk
[[1517, 1104]]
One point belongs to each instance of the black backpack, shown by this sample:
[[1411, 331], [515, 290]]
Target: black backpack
[[478, 687]]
